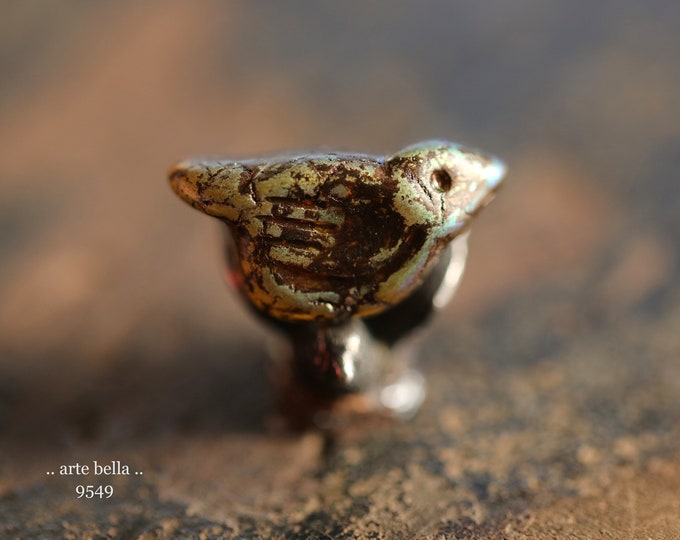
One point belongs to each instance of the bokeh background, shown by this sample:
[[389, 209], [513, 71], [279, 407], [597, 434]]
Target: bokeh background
[[115, 325]]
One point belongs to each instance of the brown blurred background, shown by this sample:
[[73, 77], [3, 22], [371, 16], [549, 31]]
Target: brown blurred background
[[114, 322]]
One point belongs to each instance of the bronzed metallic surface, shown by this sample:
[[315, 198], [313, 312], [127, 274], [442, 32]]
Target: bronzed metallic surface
[[320, 240], [337, 235]]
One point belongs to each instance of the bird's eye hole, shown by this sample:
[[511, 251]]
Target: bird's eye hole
[[441, 180]]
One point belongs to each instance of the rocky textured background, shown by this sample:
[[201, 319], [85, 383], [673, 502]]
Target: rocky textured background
[[554, 399]]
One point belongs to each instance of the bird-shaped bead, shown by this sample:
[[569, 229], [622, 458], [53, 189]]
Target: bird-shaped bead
[[331, 236]]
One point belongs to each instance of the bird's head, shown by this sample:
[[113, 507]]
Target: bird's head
[[454, 184]]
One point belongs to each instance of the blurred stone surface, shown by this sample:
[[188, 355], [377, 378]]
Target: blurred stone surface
[[554, 377]]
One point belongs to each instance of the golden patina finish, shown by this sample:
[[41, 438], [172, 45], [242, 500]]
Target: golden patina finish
[[333, 236]]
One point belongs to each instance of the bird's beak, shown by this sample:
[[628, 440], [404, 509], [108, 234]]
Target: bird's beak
[[493, 173]]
